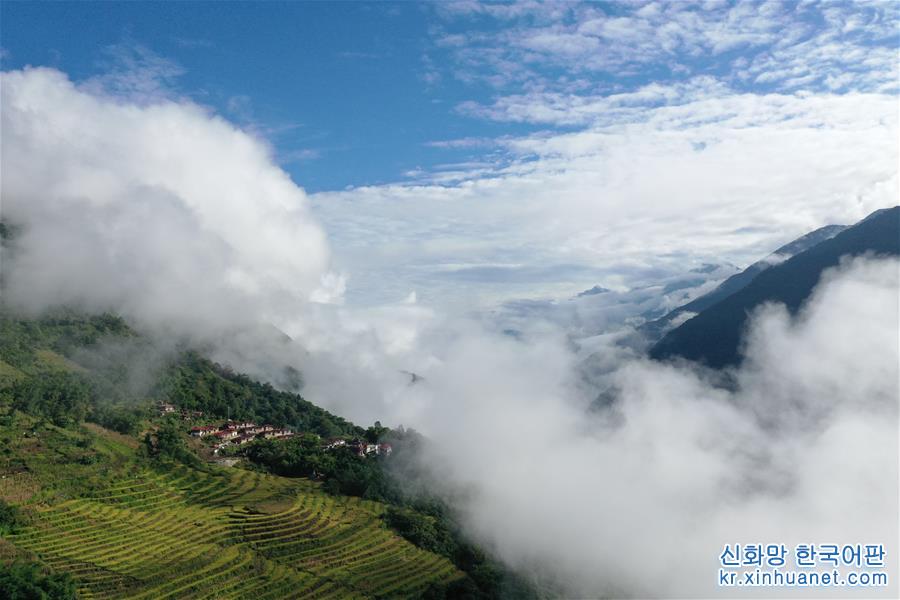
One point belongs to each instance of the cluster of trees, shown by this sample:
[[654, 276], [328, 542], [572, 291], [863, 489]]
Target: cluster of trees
[[61, 332], [426, 521], [167, 443], [341, 469], [62, 397], [45, 385], [66, 398], [30, 581], [423, 530], [11, 518], [125, 419]]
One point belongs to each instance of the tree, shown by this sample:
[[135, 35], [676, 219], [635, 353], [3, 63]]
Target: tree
[[28, 581], [167, 442], [123, 419], [376, 432], [10, 518], [60, 396]]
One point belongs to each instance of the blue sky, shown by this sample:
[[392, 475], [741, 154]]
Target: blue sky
[[357, 93], [478, 152], [341, 89]]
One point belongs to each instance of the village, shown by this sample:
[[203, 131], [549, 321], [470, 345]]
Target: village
[[238, 433]]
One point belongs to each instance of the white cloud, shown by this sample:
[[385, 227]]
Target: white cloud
[[160, 211], [638, 500], [716, 176], [789, 46], [133, 72]]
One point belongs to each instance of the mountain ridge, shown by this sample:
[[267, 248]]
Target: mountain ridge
[[655, 329], [712, 337]]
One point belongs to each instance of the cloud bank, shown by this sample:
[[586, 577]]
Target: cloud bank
[[648, 191], [639, 136], [164, 212], [638, 499]]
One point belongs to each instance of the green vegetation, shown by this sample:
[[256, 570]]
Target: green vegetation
[[418, 517], [10, 518], [177, 532], [342, 470], [62, 397], [424, 531], [128, 526], [66, 368], [167, 442], [101, 496], [124, 419], [28, 581]]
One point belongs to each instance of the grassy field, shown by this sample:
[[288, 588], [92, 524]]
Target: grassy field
[[134, 530]]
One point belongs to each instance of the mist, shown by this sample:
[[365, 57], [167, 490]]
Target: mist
[[639, 499], [182, 223]]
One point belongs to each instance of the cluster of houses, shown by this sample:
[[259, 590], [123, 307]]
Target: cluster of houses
[[164, 408], [361, 447], [238, 433]]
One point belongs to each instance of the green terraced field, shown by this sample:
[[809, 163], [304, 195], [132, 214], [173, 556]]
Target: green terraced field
[[227, 533]]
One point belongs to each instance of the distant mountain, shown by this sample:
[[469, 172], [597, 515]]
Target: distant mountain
[[713, 336], [654, 330], [706, 268], [593, 291]]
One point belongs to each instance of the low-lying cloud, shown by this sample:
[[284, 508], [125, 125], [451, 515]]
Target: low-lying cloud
[[638, 499]]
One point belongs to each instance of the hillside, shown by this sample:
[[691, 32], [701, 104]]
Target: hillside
[[656, 328], [101, 489], [173, 531], [113, 376], [713, 336]]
